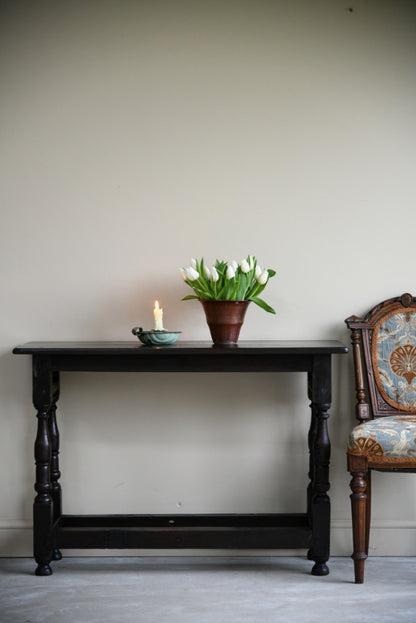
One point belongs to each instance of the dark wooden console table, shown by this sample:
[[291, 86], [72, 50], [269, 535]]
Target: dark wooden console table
[[53, 530]]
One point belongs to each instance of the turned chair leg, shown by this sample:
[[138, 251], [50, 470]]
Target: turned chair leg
[[368, 512], [360, 508]]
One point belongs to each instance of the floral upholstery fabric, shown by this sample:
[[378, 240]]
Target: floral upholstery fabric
[[394, 359], [386, 438]]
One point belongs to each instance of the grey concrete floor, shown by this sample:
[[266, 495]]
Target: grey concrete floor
[[206, 590]]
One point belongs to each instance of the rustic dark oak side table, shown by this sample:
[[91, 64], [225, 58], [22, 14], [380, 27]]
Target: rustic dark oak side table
[[53, 530]]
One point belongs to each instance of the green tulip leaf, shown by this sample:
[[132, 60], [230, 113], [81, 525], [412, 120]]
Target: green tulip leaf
[[263, 304]]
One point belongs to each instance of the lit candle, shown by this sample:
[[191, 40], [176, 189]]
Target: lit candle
[[158, 317]]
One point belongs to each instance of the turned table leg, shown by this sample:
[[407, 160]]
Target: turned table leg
[[320, 449], [55, 473], [311, 472], [43, 503], [320, 507]]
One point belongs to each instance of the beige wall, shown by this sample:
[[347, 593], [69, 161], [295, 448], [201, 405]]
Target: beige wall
[[135, 135]]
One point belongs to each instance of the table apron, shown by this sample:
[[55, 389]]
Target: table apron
[[178, 363]]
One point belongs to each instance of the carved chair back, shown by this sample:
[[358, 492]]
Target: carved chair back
[[384, 348]]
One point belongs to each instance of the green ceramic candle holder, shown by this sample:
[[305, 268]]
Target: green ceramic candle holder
[[155, 337]]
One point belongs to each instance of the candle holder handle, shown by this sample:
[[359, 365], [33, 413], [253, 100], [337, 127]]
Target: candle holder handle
[[137, 331]]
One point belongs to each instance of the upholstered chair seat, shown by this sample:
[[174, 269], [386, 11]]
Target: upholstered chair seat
[[385, 440]]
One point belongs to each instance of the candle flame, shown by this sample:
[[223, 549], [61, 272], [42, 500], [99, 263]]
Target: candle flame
[[156, 304]]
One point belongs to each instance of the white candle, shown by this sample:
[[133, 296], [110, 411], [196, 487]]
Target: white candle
[[158, 317]]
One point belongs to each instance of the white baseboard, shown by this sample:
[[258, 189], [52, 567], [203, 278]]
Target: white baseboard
[[15, 539], [388, 538]]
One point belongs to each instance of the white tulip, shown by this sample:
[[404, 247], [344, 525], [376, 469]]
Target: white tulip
[[214, 274], [258, 272], [234, 265], [207, 272], [245, 268], [230, 272], [262, 279], [191, 273], [193, 262], [251, 262]]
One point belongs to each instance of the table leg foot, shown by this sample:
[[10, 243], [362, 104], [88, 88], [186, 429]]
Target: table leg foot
[[56, 555], [43, 570], [320, 568]]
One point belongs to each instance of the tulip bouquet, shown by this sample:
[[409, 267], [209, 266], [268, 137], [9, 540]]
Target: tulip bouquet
[[228, 281]]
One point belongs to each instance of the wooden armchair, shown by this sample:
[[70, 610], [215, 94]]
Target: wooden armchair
[[384, 349]]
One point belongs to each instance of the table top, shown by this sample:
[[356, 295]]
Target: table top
[[279, 347]]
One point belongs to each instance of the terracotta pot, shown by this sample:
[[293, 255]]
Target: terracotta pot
[[225, 319]]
